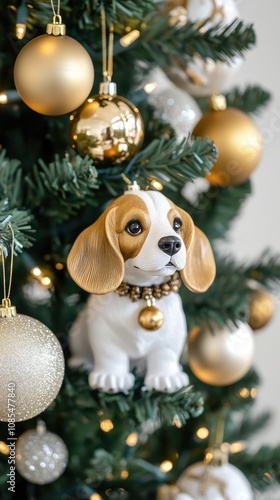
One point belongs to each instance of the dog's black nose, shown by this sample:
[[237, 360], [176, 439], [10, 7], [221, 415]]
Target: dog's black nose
[[170, 244]]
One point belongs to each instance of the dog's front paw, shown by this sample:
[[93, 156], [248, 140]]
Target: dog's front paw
[[167, 383], [108, 382]]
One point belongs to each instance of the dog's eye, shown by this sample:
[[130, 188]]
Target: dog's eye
[[177, 224], [134, 227]]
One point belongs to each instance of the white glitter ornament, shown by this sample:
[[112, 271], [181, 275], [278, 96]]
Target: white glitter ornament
[[172, 105], [209, 482], [31, 367], [41, 456], [202, 77]]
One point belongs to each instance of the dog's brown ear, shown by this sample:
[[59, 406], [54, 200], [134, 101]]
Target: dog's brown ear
[[200, 269], [95, 262]]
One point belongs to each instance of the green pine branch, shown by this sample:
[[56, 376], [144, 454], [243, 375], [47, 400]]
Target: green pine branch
[[251, 100], [160, 42], [166, 161], [62, 187], [19, 220], [261, 467], [214, 210], [228, 297], [58, 190], [137, 404]]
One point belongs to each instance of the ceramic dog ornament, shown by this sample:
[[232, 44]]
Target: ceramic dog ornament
[[131, 261]]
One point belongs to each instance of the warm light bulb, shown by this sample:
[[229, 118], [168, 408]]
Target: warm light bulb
[[95, 496], [46, 281], [202, 433], [20, 30], [36, 271], [237, 447], [166, 466], [106, 425], [132, 439], [3, 98], [124, 474], [59, 266], [244, 393], [156, 185], [4, 448], [150, 87], [129, 38]]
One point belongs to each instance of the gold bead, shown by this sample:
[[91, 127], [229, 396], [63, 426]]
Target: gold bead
[[261, 309], [238, 141], [150, 318]]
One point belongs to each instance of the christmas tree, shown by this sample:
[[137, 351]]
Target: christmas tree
[[136, 97]]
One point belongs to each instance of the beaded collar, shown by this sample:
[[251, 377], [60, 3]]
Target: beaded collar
[[148, 292]]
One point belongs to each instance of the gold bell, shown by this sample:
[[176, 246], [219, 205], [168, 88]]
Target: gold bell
[[150, 318]]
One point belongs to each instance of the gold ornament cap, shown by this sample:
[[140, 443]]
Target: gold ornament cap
[[56, 28], [218, 103], [7, 310]]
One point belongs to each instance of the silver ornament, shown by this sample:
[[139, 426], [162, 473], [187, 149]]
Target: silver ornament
[[41, 456], [31, 367], [172, 105]]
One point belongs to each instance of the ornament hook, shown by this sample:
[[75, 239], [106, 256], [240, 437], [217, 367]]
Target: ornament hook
[[6, 309]]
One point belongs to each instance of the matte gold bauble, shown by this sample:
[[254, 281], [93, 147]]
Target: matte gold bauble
[[261, 309], [238, 141], [221, 357], [53, 74], [150, 318], [31, 367], [108, 128]]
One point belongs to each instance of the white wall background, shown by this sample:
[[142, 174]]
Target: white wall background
[[258, 226]]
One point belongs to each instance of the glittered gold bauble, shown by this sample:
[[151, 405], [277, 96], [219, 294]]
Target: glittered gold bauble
[[31, 367], [238, 141], [53, 74], [221, 357], [261, 309], [108, 128], [41, 456], [150, 318]]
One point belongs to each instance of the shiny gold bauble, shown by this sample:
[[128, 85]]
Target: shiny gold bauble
[[31, 367], [150, 318], [261, 309], [222, 357], [108, 128], [53, 74], [238, 141]]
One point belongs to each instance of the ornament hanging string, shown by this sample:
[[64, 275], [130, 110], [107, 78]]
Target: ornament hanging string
[[56, 14], [107, 56], [6, 300]]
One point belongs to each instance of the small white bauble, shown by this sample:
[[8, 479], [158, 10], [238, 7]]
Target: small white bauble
[[183, 496], [217, 11], [208, 482], [41, 456], [172, 105], [202, 77]]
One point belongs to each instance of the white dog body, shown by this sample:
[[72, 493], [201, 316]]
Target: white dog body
[[151, 238]]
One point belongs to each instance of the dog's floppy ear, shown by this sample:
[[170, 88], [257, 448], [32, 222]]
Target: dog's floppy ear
[[200, 269], [95, 262]]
